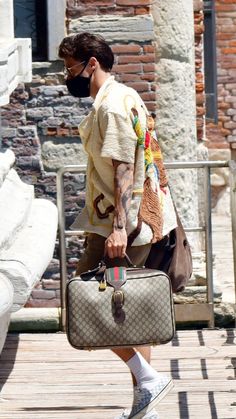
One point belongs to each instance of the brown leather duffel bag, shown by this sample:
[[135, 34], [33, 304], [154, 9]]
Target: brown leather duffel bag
[[173, 255]]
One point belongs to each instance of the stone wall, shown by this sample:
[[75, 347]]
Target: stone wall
[[41, 122]]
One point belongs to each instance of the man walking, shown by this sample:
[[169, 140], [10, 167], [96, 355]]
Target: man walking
[[115, 179]]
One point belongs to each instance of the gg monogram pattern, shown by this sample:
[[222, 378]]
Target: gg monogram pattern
[[148, 307]]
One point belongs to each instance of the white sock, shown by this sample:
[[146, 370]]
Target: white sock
[[144, 374]]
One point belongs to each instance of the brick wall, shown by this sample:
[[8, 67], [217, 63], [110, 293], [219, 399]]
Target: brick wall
[[225, 131], [134, 61], [135, 66], [200, 96], [76, 9]]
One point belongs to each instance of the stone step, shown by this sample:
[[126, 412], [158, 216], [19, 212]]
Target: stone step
[[36, 320], [16, 198], [112, 27], [196, 294], [30, 253], [6, 301]]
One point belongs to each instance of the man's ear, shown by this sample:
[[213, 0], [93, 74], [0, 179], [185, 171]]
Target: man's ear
[[93, 62]]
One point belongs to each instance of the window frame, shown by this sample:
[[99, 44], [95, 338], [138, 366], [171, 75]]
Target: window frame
[[56, 24], [50, 28]]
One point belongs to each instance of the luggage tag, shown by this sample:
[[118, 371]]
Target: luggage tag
[[116, 277]]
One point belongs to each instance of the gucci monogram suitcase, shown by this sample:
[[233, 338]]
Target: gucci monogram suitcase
[[119, 307]]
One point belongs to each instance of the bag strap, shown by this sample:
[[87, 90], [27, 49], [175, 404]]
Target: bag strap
[[126, 258]]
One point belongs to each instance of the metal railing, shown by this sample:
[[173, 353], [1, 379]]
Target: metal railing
[[184, 312]]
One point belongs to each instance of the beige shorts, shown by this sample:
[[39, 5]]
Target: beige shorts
[[94, 252]]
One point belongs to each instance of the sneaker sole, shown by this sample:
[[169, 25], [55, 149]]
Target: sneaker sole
[[154, 402]]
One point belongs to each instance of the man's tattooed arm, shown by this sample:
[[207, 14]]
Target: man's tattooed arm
[[124, 173], [116, 243]]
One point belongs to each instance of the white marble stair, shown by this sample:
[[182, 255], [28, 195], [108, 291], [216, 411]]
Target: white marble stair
[[16, 200], [30, 253], [28, 228]]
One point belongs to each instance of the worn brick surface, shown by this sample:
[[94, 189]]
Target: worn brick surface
[[224, 131], [133, 2], [125, 49], [77, 9]]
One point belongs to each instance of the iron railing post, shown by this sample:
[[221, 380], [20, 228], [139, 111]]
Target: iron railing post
[[62, 243], [62, 233], [209, 250], [232, 177]]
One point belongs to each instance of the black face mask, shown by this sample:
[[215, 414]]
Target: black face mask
[[79, 86]]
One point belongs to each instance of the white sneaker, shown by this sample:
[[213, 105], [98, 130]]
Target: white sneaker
[[145, 399]]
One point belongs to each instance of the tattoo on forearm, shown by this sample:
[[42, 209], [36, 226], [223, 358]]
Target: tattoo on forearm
[[123, 192]]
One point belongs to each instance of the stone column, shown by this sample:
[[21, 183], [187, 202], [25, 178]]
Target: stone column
[[176, 115], [6, 19]]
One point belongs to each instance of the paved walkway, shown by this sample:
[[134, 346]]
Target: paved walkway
[[43, 377]]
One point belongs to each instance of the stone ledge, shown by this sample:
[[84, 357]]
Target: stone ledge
[[116, 28], [35, 320], [196, 294]]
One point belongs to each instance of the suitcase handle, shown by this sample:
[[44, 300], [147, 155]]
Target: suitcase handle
[[126, 257], [100, 269]]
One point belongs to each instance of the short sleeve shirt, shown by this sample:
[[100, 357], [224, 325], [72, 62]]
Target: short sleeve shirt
[[107, 133]]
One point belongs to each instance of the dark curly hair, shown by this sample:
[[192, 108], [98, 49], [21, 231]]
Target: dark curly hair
[[85, 45]]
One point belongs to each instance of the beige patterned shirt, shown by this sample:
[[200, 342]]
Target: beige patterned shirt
[[107, 133]]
